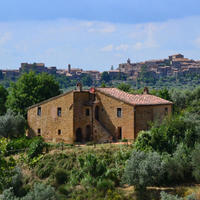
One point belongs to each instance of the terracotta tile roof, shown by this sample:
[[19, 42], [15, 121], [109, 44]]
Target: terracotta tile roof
[[138, 99]]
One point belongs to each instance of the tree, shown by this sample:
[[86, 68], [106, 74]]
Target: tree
[[87, 80], [12, 125], [143, 169], [125, 87], [105, 77], [3, 97], [31, 89]]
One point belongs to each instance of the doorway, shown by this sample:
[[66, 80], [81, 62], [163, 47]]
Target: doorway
[[119, 133], [79, 136]]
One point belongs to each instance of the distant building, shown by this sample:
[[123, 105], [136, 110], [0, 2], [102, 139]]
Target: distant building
[[37, 68]]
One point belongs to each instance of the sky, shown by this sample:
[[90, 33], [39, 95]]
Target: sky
[[95, 34]]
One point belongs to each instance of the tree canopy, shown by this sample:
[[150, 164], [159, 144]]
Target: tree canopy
[[3, 97], [30, 89]]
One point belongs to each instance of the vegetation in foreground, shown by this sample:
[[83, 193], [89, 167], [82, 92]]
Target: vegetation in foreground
[[166, 156]]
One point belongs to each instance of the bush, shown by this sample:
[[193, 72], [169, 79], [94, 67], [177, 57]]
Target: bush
[[165, 196], [105, 184], [12, 125], [143, 169], [61, 176], [41, 192], [177, 167], [36, 147], [167, 136], [196, 162], [17, 145]]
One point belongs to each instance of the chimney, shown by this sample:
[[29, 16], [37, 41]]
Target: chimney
[[146, 90], [69, 68], [79, 86]]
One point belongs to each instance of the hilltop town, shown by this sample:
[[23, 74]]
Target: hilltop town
[[173, 66]]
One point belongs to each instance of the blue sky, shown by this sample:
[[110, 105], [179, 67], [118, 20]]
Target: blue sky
[[95, 34]]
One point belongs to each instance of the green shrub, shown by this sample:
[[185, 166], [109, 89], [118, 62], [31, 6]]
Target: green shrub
[[61, 176], [41, 192], [167, 136], [17, 145], [165, 196], [45, 172], [105, 184], [36, 147], [143, 169], [177, 167], [12, 125], [196, 162]]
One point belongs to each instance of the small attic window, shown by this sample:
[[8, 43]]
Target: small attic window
[[59, 110], [119, 112], [39, 111]]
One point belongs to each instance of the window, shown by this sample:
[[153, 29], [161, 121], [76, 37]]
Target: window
[[39, 132], [119, 112], [87, 112], [39, 111], [59, 132], [59, 112]]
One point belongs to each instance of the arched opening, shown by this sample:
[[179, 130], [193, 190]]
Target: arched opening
[[79, 136], [97, 113], [88, 133]]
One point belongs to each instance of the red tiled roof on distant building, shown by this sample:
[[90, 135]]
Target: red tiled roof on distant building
[[134, 99]]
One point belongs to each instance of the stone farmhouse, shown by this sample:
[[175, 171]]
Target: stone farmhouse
[[98, 114]]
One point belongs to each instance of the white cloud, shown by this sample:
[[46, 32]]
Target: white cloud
[[100, 27], [107, 48], [64, 41], [197, 42], [122, 47], [5, 37]]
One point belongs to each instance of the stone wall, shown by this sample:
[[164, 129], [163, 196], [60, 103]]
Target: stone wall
[[53, 127], [146, 114], [108, 116], [81, 120]]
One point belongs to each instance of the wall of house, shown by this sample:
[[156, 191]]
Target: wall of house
[[50, 123], [146, 114], [108, 115], [81, 120]]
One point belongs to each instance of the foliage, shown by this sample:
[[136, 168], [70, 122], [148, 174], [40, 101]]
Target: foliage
[[143, 169], [3, 95], [30, 89], [6, 171], [166, 136], [105, 77], [196, 162], [61, 176], [12, 125], [165, 196], [86, 80], [40, 192], [105, 184], [177, 167], [125, 87], [17, 145], [36, 147]]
